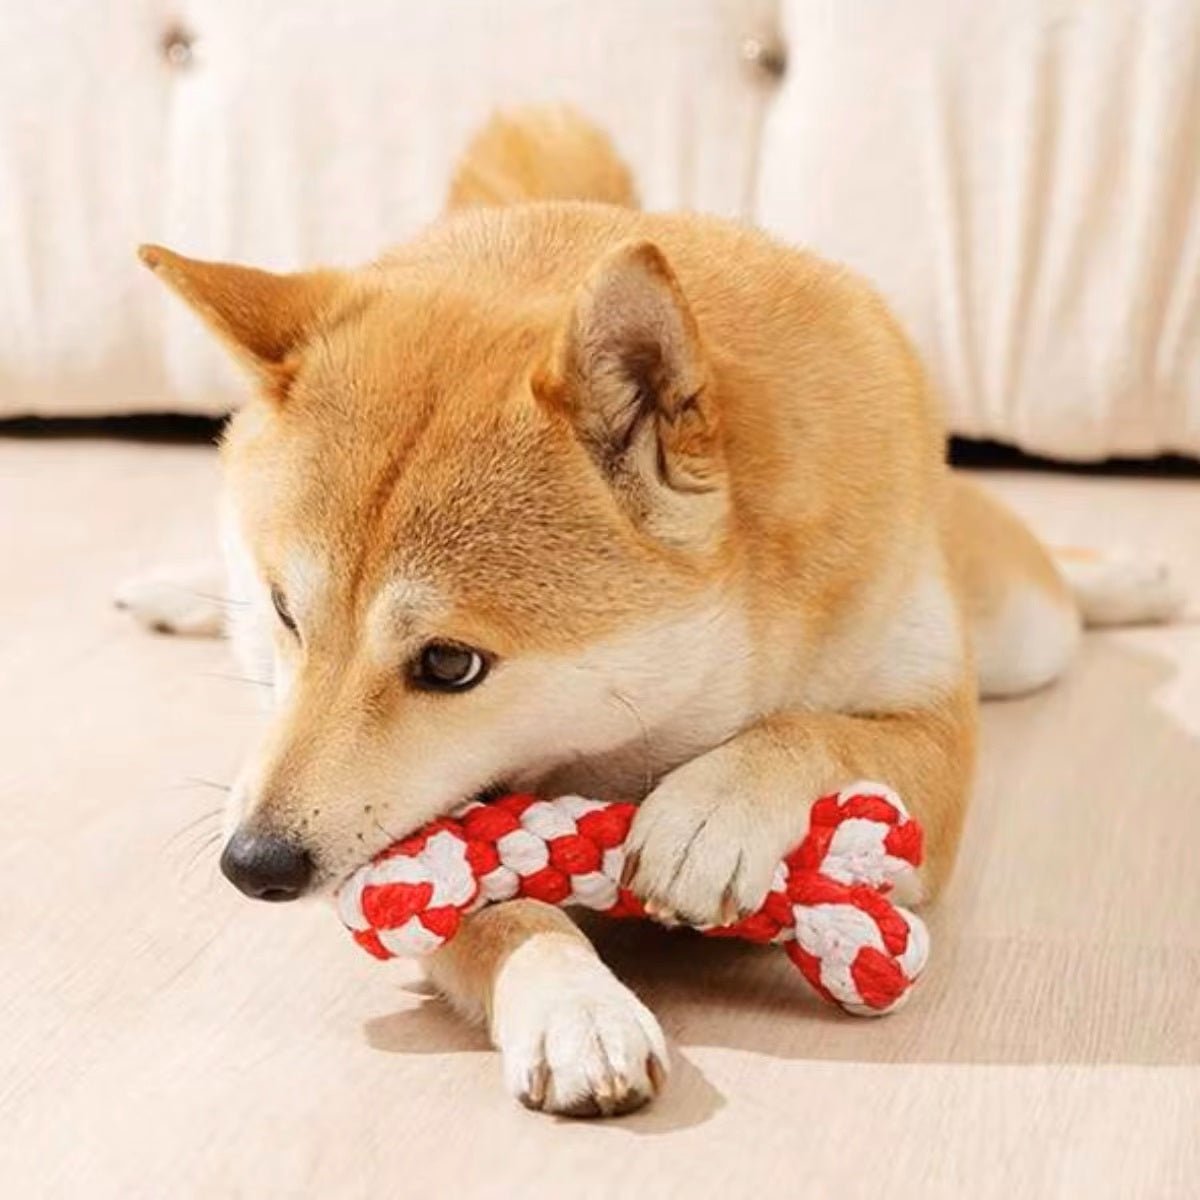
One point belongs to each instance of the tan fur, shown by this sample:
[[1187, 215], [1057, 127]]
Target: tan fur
[[684, 483], [1023, 616], [546, 153], [991, 552]]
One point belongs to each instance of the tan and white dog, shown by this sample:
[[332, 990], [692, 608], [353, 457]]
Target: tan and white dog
[[562, 495]]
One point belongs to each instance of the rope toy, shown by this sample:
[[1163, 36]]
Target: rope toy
[[828, 904]]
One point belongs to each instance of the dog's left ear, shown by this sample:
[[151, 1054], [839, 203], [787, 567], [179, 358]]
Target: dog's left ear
[[261, 316], [630, 371]]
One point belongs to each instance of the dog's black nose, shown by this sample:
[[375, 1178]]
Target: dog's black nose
[[266, 866]]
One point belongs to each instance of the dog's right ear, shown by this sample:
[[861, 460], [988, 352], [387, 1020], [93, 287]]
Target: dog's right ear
[[261, 316], [629, 370]]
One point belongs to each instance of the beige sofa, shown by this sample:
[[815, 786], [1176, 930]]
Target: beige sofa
[[1021, 179]]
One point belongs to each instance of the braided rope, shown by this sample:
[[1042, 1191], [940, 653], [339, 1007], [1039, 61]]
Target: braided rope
[[828, 904]]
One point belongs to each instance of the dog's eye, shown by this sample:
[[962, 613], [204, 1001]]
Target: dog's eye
[[445, 667], [281, 608]]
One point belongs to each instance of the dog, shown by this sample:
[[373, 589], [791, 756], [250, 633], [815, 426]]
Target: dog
[[564, 496]]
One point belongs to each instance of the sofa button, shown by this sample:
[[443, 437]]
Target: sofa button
[[178, 47], [766, 53]]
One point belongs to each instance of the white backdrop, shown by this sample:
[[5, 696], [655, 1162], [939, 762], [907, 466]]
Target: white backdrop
[[1021, 180]]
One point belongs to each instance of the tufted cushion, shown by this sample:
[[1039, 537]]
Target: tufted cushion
[[289, 134], [1022, 180]]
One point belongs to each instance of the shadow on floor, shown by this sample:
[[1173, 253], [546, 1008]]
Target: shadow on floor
[[434, 1028], [1074, 948]]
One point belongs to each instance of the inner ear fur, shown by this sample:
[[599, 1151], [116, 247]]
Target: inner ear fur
[[630, 371]]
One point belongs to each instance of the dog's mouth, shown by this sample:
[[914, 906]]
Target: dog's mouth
[[484, 795]]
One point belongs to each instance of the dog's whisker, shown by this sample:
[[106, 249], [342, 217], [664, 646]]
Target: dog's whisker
[[200, 850], [200, 834], [200, 781], [196, 823], [647, 756], [384, 830], [231, 677], [224, 601], [209, 597]]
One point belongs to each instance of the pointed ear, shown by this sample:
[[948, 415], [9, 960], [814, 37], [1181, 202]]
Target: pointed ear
[[261, 317], [630, 371]]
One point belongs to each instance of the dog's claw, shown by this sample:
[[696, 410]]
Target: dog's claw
[[534, 1095], [629, 870], [729, 908], [662, 913], [657, 1073], [610, 1093], [581, 1045]]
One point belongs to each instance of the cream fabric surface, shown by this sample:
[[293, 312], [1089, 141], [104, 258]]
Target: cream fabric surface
[[310, 131], [1022, 180]]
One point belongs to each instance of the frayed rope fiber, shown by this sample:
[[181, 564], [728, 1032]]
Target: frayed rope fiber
[[828, 905]]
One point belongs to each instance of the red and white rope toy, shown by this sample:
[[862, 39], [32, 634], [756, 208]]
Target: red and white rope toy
[[828, 905]]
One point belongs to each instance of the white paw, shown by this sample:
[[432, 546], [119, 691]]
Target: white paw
[[704, 847], [1125, 588], [574, 1039], [175, 599]]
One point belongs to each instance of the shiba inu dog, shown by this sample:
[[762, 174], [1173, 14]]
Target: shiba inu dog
[[565, 496]]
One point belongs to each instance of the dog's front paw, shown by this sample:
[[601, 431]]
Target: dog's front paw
[[705, 844], [183, 599], [574, 1039]]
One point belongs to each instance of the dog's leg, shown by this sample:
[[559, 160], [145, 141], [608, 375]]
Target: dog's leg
[[1026, 605], [706, 842], [183, 598], [574, 1039], [1024, 624], [1120, 587]]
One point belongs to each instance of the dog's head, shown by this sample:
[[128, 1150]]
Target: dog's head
[[487, 544]]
